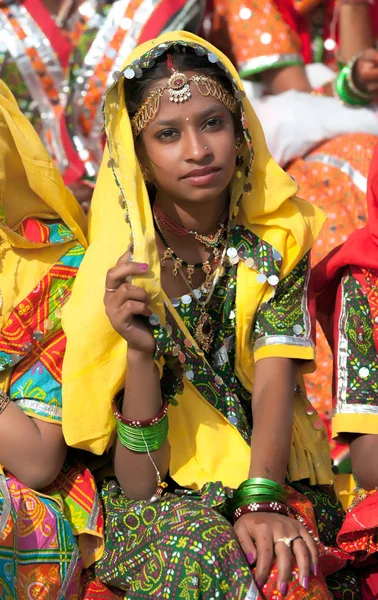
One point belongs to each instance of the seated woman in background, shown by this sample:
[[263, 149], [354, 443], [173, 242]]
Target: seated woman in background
[[42, 238], [294, 52], [346, 284], [196, 360]]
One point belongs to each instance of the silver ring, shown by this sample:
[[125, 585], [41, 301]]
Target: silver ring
[[299, 537], [110, 289]]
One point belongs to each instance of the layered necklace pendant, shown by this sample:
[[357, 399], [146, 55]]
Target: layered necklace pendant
[[204, 332], [204, 327]]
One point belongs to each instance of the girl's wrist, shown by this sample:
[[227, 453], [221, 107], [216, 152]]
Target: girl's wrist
[[136, 356]]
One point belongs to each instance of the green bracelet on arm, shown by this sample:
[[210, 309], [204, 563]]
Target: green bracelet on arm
[[345, 93], [258, 489], [143, 439]]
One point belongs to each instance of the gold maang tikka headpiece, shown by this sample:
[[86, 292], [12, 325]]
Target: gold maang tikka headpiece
[[178, 87]]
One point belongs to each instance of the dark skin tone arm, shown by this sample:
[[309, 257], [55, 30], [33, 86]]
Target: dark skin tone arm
[[142, 395], [32, 450], [272, 409], [355, 37], [364, 450]]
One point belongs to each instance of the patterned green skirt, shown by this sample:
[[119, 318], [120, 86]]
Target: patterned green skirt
[[184, 547]]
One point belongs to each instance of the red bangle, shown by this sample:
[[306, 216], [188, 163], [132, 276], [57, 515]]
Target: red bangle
[[141, 423], [268, 507]]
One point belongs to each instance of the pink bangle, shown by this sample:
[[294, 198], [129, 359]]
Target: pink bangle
[[143, 422], [268, 507]]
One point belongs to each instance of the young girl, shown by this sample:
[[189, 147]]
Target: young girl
[[206, 301], [42, 234]]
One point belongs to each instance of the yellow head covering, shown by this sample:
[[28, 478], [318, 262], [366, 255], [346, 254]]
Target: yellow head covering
[[204, 445], [30, 187]]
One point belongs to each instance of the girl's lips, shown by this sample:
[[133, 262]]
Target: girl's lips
[[206, 178]]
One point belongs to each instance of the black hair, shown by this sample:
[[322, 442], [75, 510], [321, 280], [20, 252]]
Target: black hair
[[183, 59]]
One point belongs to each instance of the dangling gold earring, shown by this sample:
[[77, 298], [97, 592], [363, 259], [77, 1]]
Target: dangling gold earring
[[239, 155], [146, 174]]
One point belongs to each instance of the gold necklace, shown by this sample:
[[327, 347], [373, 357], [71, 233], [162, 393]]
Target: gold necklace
[[204, 329], [178, 262]]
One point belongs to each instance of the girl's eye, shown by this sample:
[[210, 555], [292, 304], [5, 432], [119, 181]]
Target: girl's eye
[[167, 134], [213, 122]]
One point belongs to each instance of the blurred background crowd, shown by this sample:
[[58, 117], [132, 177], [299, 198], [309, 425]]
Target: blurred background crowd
[[310, 69]]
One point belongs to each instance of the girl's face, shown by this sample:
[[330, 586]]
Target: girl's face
[[189, 149]]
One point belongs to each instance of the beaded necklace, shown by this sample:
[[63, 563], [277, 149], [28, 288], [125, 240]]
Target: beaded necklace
[[210, 241]]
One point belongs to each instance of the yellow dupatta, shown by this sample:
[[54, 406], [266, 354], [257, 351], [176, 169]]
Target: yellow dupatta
[[204, 445], [30, 186]]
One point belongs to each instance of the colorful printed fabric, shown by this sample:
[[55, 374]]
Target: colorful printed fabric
[[356, 360], [45, 539], [286, 318], [184, 547], [282, 34], [32, 340], [358, 538], [273, 44], [356, 354], [46, 67], [39, 556]]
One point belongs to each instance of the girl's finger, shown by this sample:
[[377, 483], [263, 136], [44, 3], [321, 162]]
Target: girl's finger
[[125, 258], [246, 543], [125, 292], [372, 87], [117, 275], [311, 545], [264, 561], [369, 75], [132, 308], [303, 557], [284, 557]]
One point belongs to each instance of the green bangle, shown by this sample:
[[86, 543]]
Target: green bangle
[[245, 500], [344, 92], [143, 439], [258, 489], [255, 482]]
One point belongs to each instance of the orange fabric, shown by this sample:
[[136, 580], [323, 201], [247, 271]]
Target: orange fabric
[[345, 205], [247, 31]]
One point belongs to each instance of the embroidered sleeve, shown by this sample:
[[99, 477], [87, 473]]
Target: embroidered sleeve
[[273, 45], [283, 326], [33, 341], [356, 362]]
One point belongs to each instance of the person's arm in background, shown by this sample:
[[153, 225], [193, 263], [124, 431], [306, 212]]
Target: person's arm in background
[[355, 418], [355, 37], [31, 449], [274, 54]]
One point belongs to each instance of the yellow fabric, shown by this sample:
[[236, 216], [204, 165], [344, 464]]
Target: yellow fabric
[[354, 423], [30, 186], [204, 445], [345, 487]]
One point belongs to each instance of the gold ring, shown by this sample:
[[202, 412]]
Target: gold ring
[[286, 540], [110, 289]]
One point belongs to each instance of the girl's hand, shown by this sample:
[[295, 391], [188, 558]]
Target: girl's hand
[[365, 71], [258, 534], [126, 303]]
